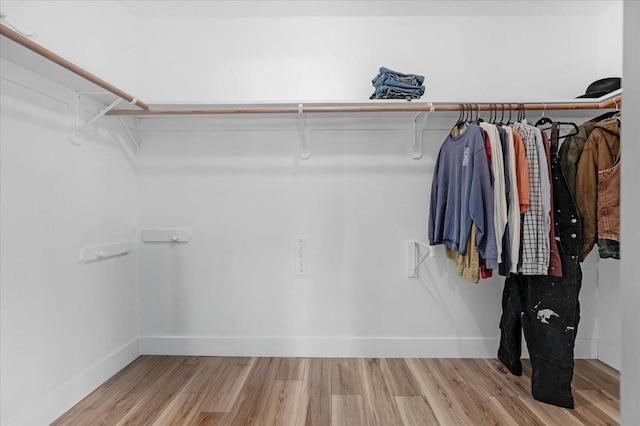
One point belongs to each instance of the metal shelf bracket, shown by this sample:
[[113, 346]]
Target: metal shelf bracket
[[305, 145], [78, 135], [132, 138], [414, 259], [419, 123]]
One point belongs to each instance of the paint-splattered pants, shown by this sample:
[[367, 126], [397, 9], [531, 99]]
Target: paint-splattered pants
[[548, 311]]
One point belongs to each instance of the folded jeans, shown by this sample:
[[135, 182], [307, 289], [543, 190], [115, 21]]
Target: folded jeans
[[392, 92], [386, 80], [411, 79]]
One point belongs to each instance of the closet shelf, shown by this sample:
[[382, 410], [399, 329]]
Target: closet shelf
[[25, 52]]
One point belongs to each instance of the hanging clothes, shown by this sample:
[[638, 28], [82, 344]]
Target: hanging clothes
[[499, 197], [547, 308], [555, 263], [468, 264], [460, 192], [571, 150], [522, 172], [535, 255], [601, 152], [513, 209], [609, 212]]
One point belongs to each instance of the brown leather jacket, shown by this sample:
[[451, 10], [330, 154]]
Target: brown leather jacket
[[601, 151]]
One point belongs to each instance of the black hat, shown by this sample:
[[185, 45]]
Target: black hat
[[601, 87]]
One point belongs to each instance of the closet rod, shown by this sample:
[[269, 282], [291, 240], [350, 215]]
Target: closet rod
[[609, 103], [53, 57]]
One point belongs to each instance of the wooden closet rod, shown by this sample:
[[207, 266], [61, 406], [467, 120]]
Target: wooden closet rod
[[46, 53], [609, 103]]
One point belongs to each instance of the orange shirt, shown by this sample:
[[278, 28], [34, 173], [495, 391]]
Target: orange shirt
[[522, 172]]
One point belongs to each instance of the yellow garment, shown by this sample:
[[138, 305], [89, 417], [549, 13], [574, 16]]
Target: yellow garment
[[468, 264]]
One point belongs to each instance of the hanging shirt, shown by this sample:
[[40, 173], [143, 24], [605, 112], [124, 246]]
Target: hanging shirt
[[505, 266], [514, 201], [545, 189], [461, 195], [499, 197], [555, 263], [522, 171], [534, 259], [468, 264]]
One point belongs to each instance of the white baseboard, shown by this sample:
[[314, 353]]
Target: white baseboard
[[609, 354], [321, 347], [65, 396], [338, 347]]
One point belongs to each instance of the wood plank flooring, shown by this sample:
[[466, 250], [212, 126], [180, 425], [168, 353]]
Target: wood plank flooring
[[177, 390]]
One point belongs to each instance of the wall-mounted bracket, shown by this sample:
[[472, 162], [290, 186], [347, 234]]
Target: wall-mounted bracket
[[419, 123], [89, 254], [414, 257], [78, 135], [305, 146], [166, 235], [132, 138]]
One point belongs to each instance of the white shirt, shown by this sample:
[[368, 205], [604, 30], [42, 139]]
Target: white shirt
[[499, 193]]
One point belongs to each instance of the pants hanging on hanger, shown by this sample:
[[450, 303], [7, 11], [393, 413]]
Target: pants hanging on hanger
[[548, 311], [546, 308]]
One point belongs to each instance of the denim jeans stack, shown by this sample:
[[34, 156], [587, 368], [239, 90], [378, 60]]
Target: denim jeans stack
[[391, 84]]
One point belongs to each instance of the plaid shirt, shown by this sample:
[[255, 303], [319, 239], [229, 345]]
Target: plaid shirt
[[535, 252]]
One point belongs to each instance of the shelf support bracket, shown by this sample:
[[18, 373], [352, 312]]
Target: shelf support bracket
[[132, 138], [413, 257], [305, 146], [419, 123], [78, 136]]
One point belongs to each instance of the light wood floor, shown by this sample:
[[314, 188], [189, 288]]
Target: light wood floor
[[163, 390]]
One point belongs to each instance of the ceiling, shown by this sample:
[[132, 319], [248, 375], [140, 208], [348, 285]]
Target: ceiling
[[290, 8]]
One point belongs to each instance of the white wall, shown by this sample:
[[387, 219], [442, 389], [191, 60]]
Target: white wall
[[96, 35], [246, 196], [335, 58], [629, 288], [608, 309], [65, 326], [609, 29]]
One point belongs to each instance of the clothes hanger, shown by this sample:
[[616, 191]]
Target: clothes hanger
[[543, 120], [478, 118], [574, 132], [460, 120]]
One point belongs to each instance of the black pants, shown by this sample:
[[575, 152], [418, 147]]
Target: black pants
[[548, 311]]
